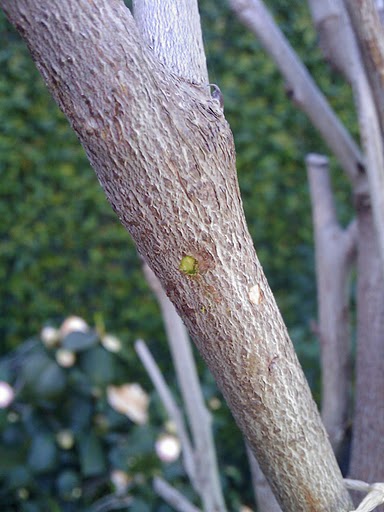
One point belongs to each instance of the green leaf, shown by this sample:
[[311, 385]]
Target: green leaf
[[19, 476], [51, 382], [34, 367], [92, 459], [10, 458], [79, 341], [99, 365], [43, 454], [66, 483]]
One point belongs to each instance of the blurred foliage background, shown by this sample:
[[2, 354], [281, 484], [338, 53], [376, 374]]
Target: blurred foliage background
[[63, 251]]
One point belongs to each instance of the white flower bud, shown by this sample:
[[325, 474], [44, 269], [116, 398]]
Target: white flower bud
[[7, 394], [65, 439], [120, 481], [65, 358], [49, 336], [111, 343], [73, 324], [168, 448]]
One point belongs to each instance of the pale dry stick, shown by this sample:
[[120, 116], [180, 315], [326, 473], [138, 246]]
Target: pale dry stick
[[375, 494], [335, 249], [112, 502], [301, 85], [199, 419], [173, 497], [380, 9], [335, 34], [170, 406]]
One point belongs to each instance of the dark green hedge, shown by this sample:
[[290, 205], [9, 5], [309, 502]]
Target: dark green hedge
[[62, 249]]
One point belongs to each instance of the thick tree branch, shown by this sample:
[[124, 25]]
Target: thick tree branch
[[334, 251], [265, 499], [367, 462], [303, 89], [164, 155], [173, 31]]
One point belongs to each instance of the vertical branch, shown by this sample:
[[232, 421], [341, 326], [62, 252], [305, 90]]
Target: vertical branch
[[173, 30], [334, 250], [336, 37], [370, 34], [199, 419], [367, 461], [368, 423]]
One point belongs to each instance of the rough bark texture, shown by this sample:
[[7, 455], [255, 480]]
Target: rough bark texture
[[171, 34], [367, 462], [265, 499], [164, 155]]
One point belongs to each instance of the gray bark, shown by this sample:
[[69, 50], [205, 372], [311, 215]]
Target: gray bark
[[368, 428], [334, 249], [171, 29], [370, 34], [164, 155], [265, 499], [368, 423]]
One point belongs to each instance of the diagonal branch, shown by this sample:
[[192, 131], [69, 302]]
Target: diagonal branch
[[173, 497], [170, 406], [303, 89]]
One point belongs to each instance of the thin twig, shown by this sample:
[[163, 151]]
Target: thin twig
[[173, 497], [170, 406]]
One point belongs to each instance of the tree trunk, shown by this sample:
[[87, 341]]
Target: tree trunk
[[164, 154]]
